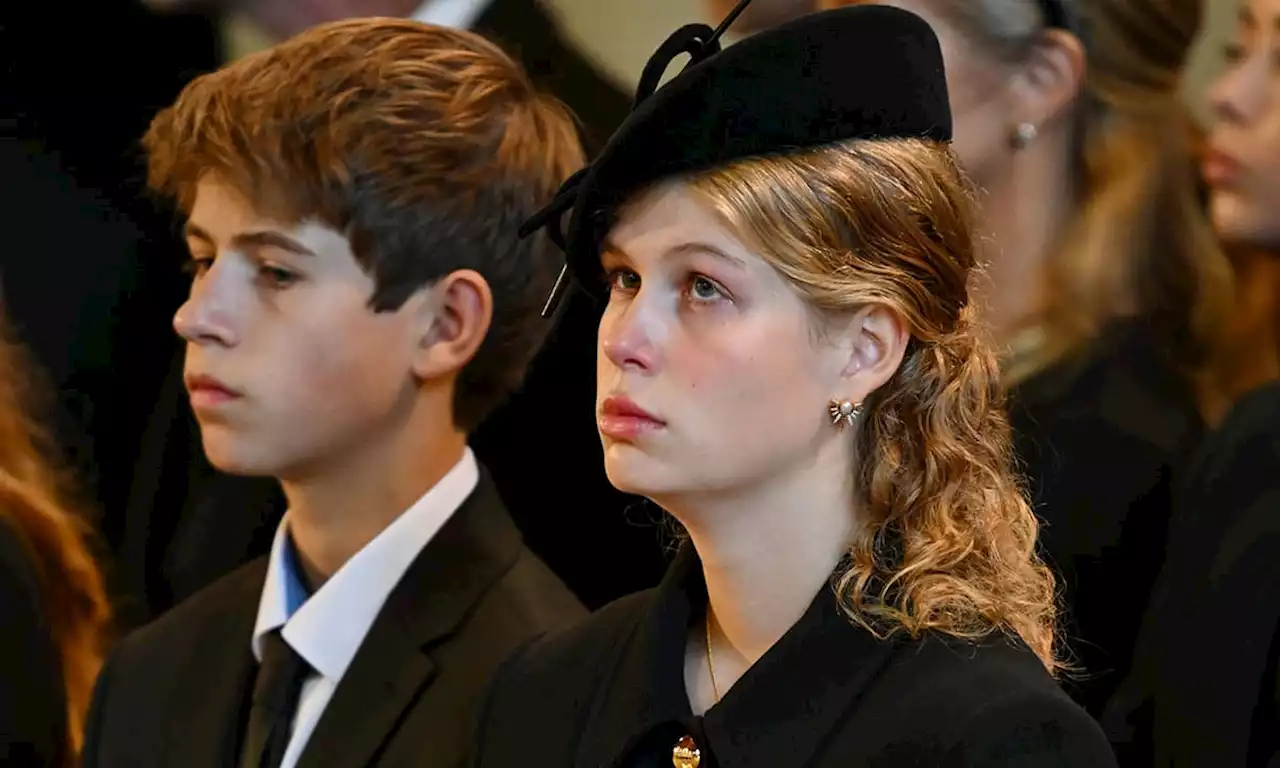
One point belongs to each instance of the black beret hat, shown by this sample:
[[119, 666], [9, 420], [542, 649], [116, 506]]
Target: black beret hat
[[859, 72]]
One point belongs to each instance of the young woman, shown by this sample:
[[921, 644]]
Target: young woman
[[788, 364], [52, 602]]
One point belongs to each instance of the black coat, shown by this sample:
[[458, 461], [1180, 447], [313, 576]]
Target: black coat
[[1205, 689], [1103, 436], [610, 692], [175, 693]]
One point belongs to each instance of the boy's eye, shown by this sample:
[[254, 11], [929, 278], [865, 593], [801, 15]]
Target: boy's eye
[[623, 280], [197, 265]]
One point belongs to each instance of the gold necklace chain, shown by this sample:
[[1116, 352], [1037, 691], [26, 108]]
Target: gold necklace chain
[[711, 666]]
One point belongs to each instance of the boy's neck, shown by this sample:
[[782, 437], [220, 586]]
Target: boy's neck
[[333, 514]]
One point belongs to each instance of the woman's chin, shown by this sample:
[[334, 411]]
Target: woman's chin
[[1240, 224], [631, 471]]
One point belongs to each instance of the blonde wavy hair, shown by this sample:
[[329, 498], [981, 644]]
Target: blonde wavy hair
[[948, 541], [34, 503]]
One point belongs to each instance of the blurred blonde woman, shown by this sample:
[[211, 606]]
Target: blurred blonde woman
[[52, 601], [1105, 285]]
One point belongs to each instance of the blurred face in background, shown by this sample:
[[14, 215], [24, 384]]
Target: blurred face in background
[[981, 99], [1242, 167], [983, 103]]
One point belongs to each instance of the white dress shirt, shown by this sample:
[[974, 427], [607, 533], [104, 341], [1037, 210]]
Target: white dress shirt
[[328, 627], [458, 14]]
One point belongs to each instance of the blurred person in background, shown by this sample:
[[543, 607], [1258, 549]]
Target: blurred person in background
[[554, 399], [1242, 169], [94, 268], [1207, 693], [1105, 283], [527, 29], [53, 607], [760, 14]]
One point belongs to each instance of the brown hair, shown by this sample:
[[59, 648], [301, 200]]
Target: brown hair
[[1139, 242], [33, 505], [948, 540], [428, 146]]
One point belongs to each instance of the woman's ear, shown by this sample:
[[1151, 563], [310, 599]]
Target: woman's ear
[[450, 323], [876, 341], [1051, 79]]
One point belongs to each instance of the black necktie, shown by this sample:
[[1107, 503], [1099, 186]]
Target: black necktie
[[275, 701]]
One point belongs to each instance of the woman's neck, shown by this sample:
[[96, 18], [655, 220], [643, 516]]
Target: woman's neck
[[1248, 354], [1025, 209], [765, 554]]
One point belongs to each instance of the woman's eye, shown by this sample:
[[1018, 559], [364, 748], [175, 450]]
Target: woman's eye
[[705, 289]]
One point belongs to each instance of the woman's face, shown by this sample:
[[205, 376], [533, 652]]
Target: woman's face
[[710, 375], [1243, 164]]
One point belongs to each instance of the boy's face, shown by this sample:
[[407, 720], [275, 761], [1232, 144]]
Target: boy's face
[[287, 367]]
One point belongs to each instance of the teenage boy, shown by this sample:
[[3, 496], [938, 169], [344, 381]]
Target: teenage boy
[[361, 300]]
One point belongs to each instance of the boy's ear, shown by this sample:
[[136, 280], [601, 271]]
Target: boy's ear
[[451, 323]]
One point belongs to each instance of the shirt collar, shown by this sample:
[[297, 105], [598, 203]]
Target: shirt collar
[[458, 14], [284, 591], [327, 628]]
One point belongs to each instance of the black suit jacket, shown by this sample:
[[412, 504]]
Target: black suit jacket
[[175, 692], [1205, 689], [610, 692]]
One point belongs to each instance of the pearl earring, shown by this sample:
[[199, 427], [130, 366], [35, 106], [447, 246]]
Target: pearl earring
[[1023, 135], [844, 412]]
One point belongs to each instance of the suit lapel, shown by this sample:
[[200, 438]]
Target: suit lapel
[[205, 732], [393, 668], [387, 675]]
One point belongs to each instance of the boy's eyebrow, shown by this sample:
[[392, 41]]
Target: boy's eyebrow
[[265, 238]]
